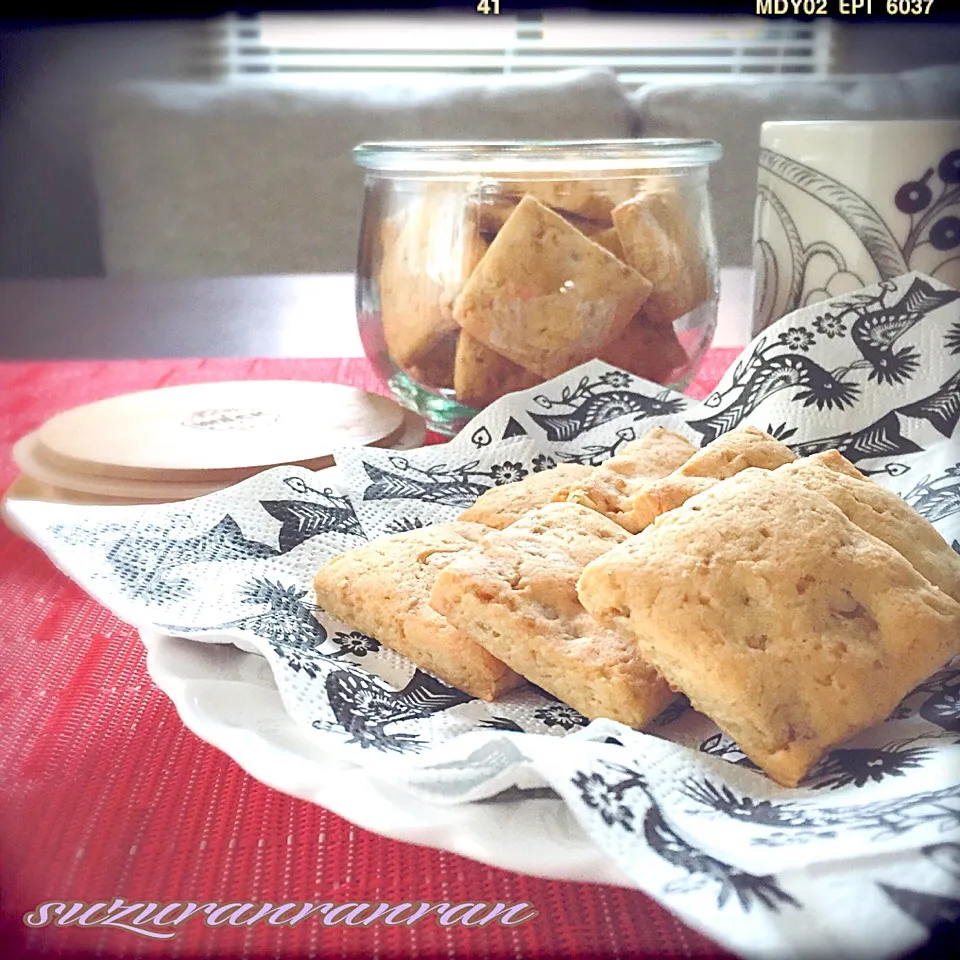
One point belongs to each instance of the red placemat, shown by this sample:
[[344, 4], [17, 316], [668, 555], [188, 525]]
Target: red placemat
[[105, 794]]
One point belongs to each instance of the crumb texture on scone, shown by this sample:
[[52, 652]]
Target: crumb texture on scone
[[515, 593], [546, 296], [782, 620], [882, 513], [610, 487], [501, 506], [725, 457], [383, 588]]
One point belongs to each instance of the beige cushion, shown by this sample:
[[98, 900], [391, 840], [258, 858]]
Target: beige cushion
[[732, 112], [257, 177]]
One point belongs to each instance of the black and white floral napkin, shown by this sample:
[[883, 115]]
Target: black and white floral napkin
[[862, 860]]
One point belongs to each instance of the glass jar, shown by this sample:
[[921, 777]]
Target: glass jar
[[486, 268]]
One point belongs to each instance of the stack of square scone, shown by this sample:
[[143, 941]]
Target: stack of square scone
[[794, 601], [497, 290]]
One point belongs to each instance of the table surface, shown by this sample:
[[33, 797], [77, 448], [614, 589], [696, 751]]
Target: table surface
[[104, 793], [285, 316]]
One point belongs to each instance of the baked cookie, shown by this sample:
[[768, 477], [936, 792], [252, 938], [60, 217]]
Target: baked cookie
[[880, 512], [500, 506], [515, 594], [587, 204], [609, 239], [782, 620], [648, 350], [660, 242], [609, 488], [481, 376], [725, 457], [545, 296], [436, 367], [382, 589], [428, 252]]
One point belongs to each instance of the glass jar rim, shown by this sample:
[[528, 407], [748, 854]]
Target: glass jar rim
[[525, 156]]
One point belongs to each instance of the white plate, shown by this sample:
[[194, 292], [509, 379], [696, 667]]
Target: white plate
[[229, 699]]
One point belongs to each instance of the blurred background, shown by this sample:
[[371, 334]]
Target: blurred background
[[136, 147]]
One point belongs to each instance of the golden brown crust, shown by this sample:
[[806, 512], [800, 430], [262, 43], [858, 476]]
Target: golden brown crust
[[515, 593], [881, 513], [545, 296], [785, 622], [723, 458], [382, 589], [501, 506], [609, 488]]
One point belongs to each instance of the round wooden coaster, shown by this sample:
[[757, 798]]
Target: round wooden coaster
[[30, 457], [28, 488], [45, 480], [215, 431]]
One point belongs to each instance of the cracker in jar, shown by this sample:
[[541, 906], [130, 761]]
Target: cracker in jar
[[645, 349], [546, 296], [586, 204], [660, 242], [609, 239], [589, 200], [428, 251], [435, 368], [481, 376]]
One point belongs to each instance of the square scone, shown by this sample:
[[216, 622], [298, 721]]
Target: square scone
[[881, 513], [501, 506], [648, 350], [428, 251], [782, 620], [546, 296], [724, 458], [481, 376], [609, 488], [515, 593], [659, 240], [382, 589]]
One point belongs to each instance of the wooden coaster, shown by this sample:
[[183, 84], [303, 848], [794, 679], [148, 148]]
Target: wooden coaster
[[27, 488], [31, 458], [212, 432]]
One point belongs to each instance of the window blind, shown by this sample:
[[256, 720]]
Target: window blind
[[637, 48]]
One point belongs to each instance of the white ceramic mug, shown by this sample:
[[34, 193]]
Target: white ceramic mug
[[844, 204]]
